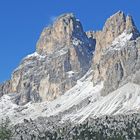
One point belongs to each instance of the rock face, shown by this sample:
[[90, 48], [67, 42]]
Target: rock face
[[110, 83], [66, 31], [63, 55], [117, 52]]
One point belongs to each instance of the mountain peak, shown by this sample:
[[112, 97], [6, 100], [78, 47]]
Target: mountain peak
[[118, 13], [63, 66], [66, 16], [118, 23], [131, 27], [63, 55], [66, 19], [60, 34], [113, 50], [115, 24]]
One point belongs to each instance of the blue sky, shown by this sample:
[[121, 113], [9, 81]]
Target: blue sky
[[21, 22]]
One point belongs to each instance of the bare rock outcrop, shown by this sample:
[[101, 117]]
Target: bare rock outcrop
[[116, 53], [63, 55]]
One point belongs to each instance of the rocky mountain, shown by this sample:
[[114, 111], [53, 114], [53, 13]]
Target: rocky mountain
[[63, 55], [117, 53], [75, 75]]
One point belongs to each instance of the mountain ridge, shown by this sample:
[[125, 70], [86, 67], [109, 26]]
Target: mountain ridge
[[66, 78], [63, 55]]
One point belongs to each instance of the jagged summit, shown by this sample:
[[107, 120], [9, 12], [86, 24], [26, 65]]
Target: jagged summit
[[65, 30], [131, 27], [116, 54], [116, 25], [63, 55], [73, 83], [120, 22], [65, 16], [119, 12]]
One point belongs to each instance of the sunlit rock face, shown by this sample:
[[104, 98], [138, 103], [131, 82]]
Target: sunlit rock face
[[117, 52], [75, 82], [65, 31], [67, 34], [63, 55]]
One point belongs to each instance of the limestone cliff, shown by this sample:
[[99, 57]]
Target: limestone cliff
[[63, 55], [117, 52]]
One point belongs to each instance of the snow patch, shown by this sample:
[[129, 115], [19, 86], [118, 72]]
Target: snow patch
[[70, 73], [35, 54], [76, 42], [77, 104], [121, 40]]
